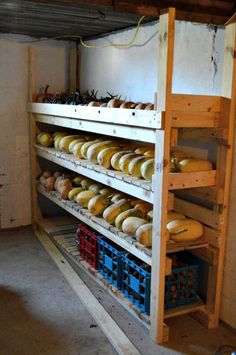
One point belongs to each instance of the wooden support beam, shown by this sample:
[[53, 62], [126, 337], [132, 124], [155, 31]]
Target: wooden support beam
[[226, 153], [161, 176], [34, 166]]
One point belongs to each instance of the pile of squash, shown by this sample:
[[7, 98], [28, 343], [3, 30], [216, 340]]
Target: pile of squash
[[128, 157], [128, 214]]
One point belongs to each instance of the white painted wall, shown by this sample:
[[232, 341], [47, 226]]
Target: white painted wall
[[51, 64], [132, 73]]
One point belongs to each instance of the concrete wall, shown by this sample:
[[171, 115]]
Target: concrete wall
[[51, 65], [132, 73]]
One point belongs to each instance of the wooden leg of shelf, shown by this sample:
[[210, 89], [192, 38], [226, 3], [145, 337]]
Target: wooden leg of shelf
[[166, 331]]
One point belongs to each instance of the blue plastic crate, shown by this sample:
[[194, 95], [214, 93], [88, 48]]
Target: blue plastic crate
[[136, 282], [181, 286], [109, 261]]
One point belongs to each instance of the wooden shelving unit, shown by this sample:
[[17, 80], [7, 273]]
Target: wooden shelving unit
[[191, 117]]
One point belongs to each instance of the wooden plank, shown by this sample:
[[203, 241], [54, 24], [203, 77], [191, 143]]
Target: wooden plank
[[209, 134], [193, 179], [187, 119], [228, 91], [201, 214], [195, 103], [168, 266], [73, 164], [211, 194], [173, 247], [124, 117], [69, 207], [161, 175], [178, 311], [174, 137], [122, 131], [34, 167], [118, 339], [73, 69]]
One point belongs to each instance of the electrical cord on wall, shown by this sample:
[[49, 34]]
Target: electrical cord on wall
[[86, 45]]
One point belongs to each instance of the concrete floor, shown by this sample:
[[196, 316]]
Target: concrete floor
[[40, 313]]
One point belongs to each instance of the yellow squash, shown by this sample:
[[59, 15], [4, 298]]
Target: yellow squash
[[98, 204], [111, 212], [144, 234], [83, 198], [147, 169], [185, 230], [190, 165], [131, 224]]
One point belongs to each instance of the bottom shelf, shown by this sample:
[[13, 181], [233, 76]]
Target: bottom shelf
[[65, 240]]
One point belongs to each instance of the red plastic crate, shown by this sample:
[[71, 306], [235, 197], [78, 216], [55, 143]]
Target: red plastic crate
[[88, 245]]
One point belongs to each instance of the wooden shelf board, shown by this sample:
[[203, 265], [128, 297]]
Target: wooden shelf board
[[100, 226], [115, 179], [197, 306], [125, 117], [67, 245], [173, 247], [192, 179]]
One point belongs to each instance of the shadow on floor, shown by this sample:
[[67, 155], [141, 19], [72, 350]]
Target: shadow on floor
[[21, 333]]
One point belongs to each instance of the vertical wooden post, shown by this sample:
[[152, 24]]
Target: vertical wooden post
[[225, 153], [36, 214], [159, 331], [73, 70]]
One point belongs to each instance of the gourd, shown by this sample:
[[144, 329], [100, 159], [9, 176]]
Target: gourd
[[50, 182], [63, 186], [190, 165], [77, 149], [74, 142], [131, 224], [144, 234], [132, 212], [134, 167], [117, 196], [125, 160], [147, 169], [85, 183], [98, 204], [107, 191], [96, 148], [182, 230], [111, 212], [143, 149], [105, 155], [84, 197], [116, 158], [74, 192], [45, 139], [96, 187], [65, 142], [77, 180], [84, 148], [171, 216]]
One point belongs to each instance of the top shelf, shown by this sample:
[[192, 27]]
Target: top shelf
[[128, 117]]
